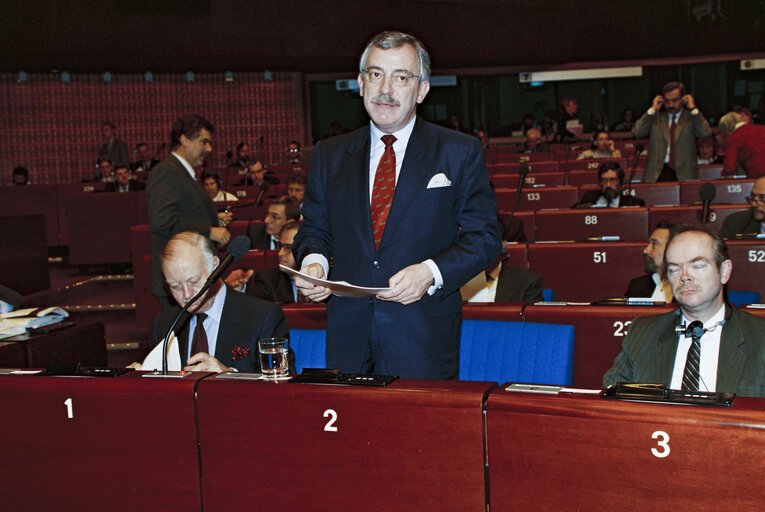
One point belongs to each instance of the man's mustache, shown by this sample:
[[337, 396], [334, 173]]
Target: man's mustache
[[387, 99]]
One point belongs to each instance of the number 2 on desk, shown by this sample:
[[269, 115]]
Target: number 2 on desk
[[69, 409], [663, 444], [332, 415]]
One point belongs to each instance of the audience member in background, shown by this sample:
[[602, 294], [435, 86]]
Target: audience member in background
[[175, 201], [602, 147], [257, 175], [627, 122], [280, 211], [211, 182], [611, 177], [296, 187], [503, 283], [454, 124], [122, 181], [746, 115], [20, 176], [528, 123], [145, 162], [272, 284], [747, 222], [744, 146], [567, 118], [484, 138], [654, 283], [672, 158], [533, 143], [220, 331], [726, 353], [549, 125], [242, 156], [335, 128], [293, 152], [105, 172], [706, 147], [114, 149], [511, 228]]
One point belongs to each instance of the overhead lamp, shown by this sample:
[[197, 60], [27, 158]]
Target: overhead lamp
[[579, 74], [107, 77], [22, 77], [189, 76], [65, 77], [148, 76], [228, 77], [749, 64]]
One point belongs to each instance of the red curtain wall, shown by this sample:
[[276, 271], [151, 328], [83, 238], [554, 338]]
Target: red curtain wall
[[54, 128]]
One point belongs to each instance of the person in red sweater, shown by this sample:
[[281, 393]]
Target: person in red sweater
[[744, 146]]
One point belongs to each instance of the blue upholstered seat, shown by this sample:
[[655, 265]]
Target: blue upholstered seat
[[310, 346], [739, 298], [516, 351]]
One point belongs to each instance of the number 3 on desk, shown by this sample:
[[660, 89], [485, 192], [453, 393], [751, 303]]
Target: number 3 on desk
[[663, 450]]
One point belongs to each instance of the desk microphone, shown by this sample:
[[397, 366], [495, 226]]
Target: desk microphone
[[160, 148], [263, 189], [523, 170], [707, 193], [635, 157], [237, 248]]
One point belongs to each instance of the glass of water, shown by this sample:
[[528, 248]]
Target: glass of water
[[273, 357]]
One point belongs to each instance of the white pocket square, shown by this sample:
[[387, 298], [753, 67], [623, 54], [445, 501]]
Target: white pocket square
[[439, 180]]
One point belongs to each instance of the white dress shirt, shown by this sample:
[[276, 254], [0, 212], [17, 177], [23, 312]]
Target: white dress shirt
[[710, 354], [211, 323]]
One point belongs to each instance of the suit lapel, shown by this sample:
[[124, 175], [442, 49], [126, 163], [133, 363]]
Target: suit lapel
[[356, 175], [411, 180], [667, 350], [229, 329], [730, 364]]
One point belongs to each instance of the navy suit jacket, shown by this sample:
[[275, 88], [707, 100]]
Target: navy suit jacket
[[243, 322], [455, 226]]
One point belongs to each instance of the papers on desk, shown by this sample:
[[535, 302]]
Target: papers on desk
[[550, 390], [339, 288], [153, 361], [17, 322]]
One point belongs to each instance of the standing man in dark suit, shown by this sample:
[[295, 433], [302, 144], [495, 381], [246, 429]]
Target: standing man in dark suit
[[403, 204], [175, 200], [232, 323], [672, 158], [115, 150], [704, 346]]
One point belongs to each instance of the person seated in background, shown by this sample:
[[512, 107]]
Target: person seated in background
[[296, 187], [503, 283], [706, 345], [654, 283], [744, 146], [706, 148], [627, 122], [105, 172], [293, 152], [242, 156], [528, 123], [280, 211], [20, 176], [533, 143], [211, 182], [602, 147], [567, 119], [145, 162], [747, 222], [272, 284], [257, 175], [220, 331], [123, 182], [611, 178]]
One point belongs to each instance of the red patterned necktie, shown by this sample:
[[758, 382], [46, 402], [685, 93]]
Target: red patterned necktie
[[199, 340], [384, 187], [672, 128]]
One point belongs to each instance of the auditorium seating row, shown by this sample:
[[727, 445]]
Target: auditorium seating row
[[728, 191], [551, 176], [228, 442]]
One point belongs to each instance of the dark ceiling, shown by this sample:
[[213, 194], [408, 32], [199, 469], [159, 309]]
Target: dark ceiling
[[328, 36]]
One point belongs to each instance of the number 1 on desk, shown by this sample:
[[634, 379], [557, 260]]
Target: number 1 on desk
[[69, 409]]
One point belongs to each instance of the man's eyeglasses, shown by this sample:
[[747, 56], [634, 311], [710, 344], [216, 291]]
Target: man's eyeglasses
[[286, 247], [609, 180], [397, 78], [756, 198]]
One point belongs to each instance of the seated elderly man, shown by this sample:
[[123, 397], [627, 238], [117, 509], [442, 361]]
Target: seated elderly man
[[220, 331], [706, 345], [533, 143], [744, 146], [747, 222]]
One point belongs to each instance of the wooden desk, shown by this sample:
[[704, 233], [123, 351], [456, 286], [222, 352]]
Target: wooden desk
[[33, 200], [82, 344], [415, 445], [577, 452], [130, 443], [630, 223]]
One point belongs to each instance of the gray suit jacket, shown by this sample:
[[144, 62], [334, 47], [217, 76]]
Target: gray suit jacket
[[175, 203], [649, 349], [742, 223], [689, 128]]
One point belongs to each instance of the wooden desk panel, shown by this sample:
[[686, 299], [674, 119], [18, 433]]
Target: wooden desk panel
[[82, 344], [415, 445], [536, 198], [629, 223], [599, 332], [130, 444], [510, 180], [551, 452], [33, 200], [730, 191], [98, 227], [692, 214], [748, 266]]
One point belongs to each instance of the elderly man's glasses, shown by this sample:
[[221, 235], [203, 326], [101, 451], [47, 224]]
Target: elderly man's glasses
[[397, 78], [756, 198]]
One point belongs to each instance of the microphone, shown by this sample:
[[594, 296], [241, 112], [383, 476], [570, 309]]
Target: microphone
[[237, 248], [523, 170], [160, 148], [263, 189], [635, 157], [228, 157], [707, 193]]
